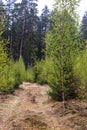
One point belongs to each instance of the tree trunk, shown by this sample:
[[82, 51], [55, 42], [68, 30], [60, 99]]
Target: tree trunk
[[23, 27]]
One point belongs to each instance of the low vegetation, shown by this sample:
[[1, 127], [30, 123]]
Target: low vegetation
[[58, 58]]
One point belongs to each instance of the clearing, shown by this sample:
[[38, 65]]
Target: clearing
[[30, 108]]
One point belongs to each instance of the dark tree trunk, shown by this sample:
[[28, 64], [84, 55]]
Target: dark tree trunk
[[23, 27]]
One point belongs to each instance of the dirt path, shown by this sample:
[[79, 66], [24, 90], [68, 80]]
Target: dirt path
[[30, 108]]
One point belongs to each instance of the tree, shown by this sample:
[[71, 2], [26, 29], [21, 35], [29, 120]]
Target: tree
[[3, 50], [23, 31], [1, 8], [9, 5], [43, 26], [23, 26], [30, 36], [84, 26], [62, 46]]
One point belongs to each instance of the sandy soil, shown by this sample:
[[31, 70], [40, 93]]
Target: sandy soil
[[30, 108]]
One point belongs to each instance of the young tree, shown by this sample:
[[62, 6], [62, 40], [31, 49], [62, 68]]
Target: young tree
[[3, 52], [62, 46]]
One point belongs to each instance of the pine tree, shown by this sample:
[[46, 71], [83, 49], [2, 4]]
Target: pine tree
[[43, 26], [3, 51], [30, 40], [84, 26], [62, 46], [24, 31]]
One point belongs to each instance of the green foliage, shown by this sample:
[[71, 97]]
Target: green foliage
[[44, 71], [64, 67], [23, 74], [6, 79], [62, 45], [48, 72], [84, 26], [30, 74], [80, 70], [20, 69], [12, 74]]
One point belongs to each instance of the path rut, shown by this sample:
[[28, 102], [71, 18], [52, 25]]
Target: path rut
[[21, 112]]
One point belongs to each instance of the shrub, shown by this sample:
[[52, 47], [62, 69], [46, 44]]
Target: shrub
[[30, 74], [7, 80], [20, 69], [13, 75], [80, 70], [48, 71], [44, 71]]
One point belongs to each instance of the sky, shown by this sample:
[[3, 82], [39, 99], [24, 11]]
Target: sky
[[81, 10], [42, 3]]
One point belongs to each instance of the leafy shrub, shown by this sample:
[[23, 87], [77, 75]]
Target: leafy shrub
[[44, 71], [20, 70], [30, 75], [80, 70], [7, 80], [13, 75], [48, 71]]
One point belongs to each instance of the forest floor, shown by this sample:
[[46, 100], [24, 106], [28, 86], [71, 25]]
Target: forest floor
[[30, 108]]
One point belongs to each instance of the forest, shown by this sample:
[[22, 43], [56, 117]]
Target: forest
[[47, 49]]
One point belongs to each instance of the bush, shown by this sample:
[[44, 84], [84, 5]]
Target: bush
[[48, 71], [30, 74], [20, 71], [7, 80], [14, 74], [80, 70], [12, 77], [11, 74], [44, 71], [6, 76]]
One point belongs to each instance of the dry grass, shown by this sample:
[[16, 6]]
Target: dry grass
[[20, 112]]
